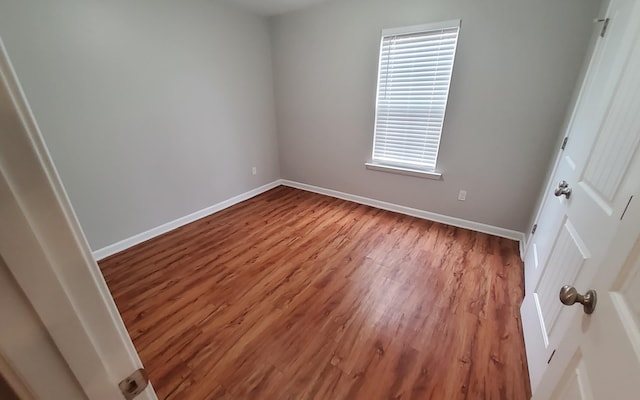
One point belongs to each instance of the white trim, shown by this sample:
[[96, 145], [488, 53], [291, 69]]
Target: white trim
[[171, 225], [431, 216], [405, 30], [15, 382], [403, 171]]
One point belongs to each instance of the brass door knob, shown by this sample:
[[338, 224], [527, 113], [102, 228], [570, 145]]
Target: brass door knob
[[563, 189], [569, 296]]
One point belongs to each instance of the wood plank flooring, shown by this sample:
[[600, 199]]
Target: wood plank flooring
[[294, 295]]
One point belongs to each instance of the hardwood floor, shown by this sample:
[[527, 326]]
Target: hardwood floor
[[294, 295]]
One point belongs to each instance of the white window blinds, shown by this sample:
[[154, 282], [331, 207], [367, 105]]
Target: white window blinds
[[413, 86]]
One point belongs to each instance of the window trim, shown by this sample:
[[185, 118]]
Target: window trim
[[420, 173], [431, 173]]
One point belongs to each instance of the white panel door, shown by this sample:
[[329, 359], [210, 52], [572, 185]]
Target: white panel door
[[575, 229], [599, 355]]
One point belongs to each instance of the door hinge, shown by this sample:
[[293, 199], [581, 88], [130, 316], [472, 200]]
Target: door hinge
[[605, 25], [134, 384], [564, 143], [534, 229]]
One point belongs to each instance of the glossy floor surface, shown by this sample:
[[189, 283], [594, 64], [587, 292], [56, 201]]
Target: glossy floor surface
[[295, 295]]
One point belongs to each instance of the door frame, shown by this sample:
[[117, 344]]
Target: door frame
[[47, 253]]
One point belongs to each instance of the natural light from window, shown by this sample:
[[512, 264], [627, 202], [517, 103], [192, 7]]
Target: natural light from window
[[414, 76]]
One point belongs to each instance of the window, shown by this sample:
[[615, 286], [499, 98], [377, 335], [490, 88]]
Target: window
[[413, 86]]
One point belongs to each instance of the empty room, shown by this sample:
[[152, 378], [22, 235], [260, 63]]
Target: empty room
[[319, 199]]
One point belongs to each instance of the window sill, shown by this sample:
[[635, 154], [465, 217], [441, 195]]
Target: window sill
[[404, 171]]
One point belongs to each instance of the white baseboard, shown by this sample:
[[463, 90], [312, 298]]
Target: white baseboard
[[414, 212], [164, 228]]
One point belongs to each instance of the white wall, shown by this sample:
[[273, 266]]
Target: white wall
[[516, 66], [152, 109]]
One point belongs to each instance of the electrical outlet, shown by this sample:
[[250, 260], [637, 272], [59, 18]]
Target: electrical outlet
[[462, 196], [254, 170]]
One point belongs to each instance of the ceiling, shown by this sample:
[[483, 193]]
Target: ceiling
[[273, 7]]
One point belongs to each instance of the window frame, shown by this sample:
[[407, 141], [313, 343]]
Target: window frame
[[398, 168]]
